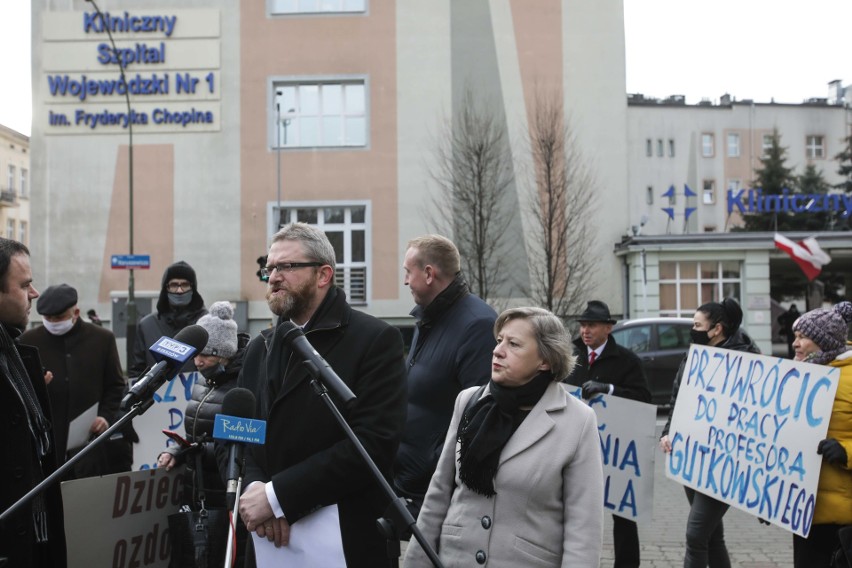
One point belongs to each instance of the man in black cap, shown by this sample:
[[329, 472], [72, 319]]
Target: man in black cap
[[82, 369], [179, 306], [604, 367]]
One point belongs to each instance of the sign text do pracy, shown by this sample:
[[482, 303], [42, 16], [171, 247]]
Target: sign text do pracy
[[745, 431]]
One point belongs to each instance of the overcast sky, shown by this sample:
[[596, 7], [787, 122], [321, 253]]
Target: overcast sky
[[752, 49]]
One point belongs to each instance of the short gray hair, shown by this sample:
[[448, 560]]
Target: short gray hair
[[316, 243], [553, 340]]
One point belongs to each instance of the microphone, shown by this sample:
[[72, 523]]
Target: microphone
[[171, 355], [294, 335], [237, 426]]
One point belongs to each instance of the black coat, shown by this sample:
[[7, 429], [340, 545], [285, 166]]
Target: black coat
[[616, 365], [19, 474], [307, 456]]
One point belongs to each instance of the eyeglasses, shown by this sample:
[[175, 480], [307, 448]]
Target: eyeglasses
[[267, 271], [179, 286]]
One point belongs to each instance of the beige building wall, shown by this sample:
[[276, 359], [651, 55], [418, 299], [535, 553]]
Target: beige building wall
[[15, 185]]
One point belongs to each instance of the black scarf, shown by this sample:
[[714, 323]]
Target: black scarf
[[486, 427]]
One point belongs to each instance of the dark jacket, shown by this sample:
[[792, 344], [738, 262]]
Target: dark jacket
[[451, 351], [19, 473], [616, 365], [166, 321], [306, 455], [739, 341], [86, 371], [199, 418]]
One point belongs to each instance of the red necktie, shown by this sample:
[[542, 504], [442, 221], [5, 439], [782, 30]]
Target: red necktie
[[592, 356]]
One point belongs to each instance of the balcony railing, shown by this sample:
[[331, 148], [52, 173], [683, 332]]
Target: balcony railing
[[8, 198]]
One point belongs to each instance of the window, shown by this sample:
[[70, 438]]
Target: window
[[24, 189], [708, 146], [814, 148], [316, 6], [649, 195], [671, 148], [313, 115], [766, 145], [346, 226], [733, 185], [733, 145], [660, 147], [685, 285], [673, 336], [649, 147], [22, 226], [709, 192], [11, 179], [636, 338], [10, 228]]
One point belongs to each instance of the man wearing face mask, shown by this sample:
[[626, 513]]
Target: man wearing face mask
[[179, 305], [82, 369]]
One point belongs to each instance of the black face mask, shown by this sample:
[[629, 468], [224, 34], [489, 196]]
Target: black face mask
[[213, 373], [700, 337]]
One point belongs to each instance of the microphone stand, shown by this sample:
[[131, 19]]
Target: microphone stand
[[234, 520], [397, 504], [135, 410]]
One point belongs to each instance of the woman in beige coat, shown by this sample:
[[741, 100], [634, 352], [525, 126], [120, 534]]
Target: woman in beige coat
[[519, 481]]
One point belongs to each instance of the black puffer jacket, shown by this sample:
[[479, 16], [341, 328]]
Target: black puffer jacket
[[739, 341], [199, 418]]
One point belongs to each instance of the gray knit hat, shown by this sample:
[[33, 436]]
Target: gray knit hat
[[221, 330], [828, 328]]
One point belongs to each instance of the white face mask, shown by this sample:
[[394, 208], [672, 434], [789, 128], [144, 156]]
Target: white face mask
[[58, 327]]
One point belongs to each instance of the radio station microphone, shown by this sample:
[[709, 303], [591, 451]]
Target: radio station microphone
[[171, 355], [294, 335], [237, 426]]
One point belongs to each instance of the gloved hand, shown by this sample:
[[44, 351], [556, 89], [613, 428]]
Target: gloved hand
[[832, 451], [591, 388]]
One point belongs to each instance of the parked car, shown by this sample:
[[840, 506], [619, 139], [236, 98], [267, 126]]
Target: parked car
[[661, 344]]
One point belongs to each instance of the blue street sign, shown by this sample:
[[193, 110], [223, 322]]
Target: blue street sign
[[135, 261]]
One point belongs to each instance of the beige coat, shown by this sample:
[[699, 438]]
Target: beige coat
[[548, 510]]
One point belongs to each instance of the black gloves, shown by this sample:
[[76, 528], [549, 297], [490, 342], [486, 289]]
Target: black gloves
[[591, 388], [832, 452]]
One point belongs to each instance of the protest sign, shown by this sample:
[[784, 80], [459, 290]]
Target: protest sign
[[167, 413], [121, 520], [745, 430], [628, 447]]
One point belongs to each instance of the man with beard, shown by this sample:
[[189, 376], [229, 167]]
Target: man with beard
[[307, 463], [34, 535]]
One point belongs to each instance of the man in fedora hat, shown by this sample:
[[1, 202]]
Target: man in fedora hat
[[604, 367]]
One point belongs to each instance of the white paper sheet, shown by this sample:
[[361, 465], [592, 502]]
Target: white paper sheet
[[78, 430], [315, 542]]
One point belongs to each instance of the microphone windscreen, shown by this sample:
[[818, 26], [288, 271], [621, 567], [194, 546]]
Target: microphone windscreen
[[193, 335], [290, 330], [239, 402]]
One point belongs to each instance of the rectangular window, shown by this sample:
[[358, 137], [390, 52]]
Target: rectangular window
[[316, 6], [649, 147], [649, 195], [733, 145], [709, 192], [685, 285], [766, 144], [733, 185], [10, 228], [347, 227], [11, 179], [671, 148], [24, 188], [22, 225], [814, 148], [660, 147], [321, 114], [708, 145]]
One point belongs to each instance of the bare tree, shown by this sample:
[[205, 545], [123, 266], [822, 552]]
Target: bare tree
[[473, 168], [562, 270]]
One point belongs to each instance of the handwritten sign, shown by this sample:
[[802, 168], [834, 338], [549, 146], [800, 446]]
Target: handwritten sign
[[628, 448], [167, 413], [126, 518], [745, 430]]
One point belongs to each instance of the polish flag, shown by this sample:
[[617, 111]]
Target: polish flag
[[807, 254]]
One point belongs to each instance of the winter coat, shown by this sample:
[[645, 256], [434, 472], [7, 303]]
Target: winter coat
[[547, 511], [307, 456], [616, 365], [450, 352]]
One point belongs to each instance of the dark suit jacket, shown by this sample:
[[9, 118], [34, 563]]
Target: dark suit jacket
[[616, 365], [307, 456]]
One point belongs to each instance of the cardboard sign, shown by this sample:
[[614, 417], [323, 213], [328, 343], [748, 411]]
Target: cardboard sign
[[745, 431], [167, 413], [121, 520], [628, 447]]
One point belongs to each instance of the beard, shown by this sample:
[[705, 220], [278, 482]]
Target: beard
[[295, 302]]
